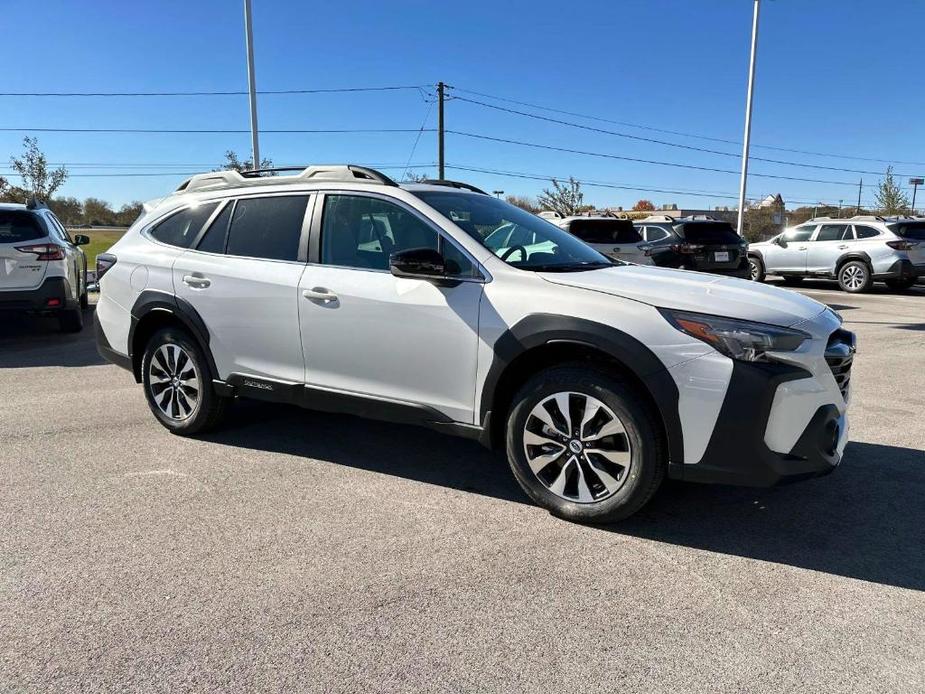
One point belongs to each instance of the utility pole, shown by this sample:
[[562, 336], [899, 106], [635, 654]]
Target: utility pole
[[251, 82], [748, 117], [839, 208], [916, 182], [860, 185], [441, 168]]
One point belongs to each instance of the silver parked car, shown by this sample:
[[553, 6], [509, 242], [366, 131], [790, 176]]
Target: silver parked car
[[856, 252]]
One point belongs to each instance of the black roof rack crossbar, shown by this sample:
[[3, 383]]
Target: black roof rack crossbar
[[254, 173], [453, 184]]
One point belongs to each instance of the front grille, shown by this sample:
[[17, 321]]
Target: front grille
[[839, 354]]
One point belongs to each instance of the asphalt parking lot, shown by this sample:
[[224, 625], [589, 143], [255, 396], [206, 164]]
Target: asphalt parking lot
[[296, 551]]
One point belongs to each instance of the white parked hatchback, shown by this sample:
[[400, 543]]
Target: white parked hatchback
[[337, 289]]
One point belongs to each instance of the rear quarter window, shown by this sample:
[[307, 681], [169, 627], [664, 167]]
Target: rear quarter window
[[17, 226], [181, 229]]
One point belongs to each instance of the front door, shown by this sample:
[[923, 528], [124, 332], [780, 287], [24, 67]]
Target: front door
[[830, 242], [367, 333], [242, 279], [788, 255]]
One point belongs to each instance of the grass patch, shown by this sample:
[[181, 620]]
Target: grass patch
[[100, 241]]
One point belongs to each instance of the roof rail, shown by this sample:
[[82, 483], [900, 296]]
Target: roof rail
[[35, 204], [234, 179], [657, 218], [452, 184], [869, 217]]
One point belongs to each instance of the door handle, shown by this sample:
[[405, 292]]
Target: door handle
[[196, 282], [319, 294], [801, 248], [842, 247]]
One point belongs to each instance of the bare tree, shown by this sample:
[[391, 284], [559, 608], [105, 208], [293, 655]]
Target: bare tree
[[33, 168], [234, 163], [524, 203], [890, 197], [414, 177], [565, 199]]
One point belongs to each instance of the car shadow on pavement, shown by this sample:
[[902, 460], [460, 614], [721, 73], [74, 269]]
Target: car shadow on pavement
[[865, 521], [35, 341]]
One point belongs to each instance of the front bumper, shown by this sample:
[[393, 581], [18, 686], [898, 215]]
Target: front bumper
[[37, 299], [737, 452]]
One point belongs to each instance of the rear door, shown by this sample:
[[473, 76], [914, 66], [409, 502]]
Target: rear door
[[829, 243], [21, 270], [242, 276]]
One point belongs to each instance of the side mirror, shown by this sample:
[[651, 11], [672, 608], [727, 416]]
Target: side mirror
[[780, 241], [81, 239], [418, 263]]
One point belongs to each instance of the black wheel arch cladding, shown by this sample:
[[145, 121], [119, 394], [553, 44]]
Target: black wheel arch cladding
[[539, 330]]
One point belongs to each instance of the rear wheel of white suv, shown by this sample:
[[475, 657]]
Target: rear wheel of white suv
[[584, 445], [178, 383], [854, 277]]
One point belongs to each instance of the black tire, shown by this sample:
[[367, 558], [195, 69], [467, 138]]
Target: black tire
[[900, 285], [84, 302], [209, 408], [792, 280], [755, 269], [647, 451], [855, 277], [71, 320]]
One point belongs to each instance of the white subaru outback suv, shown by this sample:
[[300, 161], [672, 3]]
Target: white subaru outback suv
[[42, 270], [337, 289]]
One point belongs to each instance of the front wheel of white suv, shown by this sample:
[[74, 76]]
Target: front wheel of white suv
[[584, 445], [178, 384]]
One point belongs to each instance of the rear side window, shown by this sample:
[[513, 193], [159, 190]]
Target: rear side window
[[182, 228], [709, 232], [834, 232], [605, 231], [17, 226], [267, 227], [865, 232], [914, 231]]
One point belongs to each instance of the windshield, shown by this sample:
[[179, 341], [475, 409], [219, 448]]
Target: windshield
[[914, 231], [519, 238], [709, 232]]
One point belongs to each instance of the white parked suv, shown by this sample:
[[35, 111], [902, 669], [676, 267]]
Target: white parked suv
[[856, 252], [339, 290], [42, 270]]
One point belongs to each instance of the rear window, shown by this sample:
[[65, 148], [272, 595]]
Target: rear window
[[709, 232], [914, 231], [182, 228], [605, 231], [17, 226]]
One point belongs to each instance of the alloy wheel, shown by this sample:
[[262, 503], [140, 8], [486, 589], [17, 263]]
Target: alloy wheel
[[854, 277], [753, 270], [577, 447], [174, 382]]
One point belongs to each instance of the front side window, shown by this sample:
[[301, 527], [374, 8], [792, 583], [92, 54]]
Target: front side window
[[865, 232], [181, 229], [799, 234], [497, 225], [361, 232], [267, 228], [833, 232]]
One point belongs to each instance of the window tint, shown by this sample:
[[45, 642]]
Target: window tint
[[655, 234], [865, 232], [833, 232], [267, 227], [214, 239], [181, 228], [605, 231], [17, 226], [798, 234], [362, 232]]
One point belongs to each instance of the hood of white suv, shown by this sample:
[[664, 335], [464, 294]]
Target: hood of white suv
[[697, 292]]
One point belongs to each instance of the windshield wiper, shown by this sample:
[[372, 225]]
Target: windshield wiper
[[568, 267]]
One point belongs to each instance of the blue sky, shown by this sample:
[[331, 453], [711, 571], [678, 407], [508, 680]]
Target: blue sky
[[834, 77]]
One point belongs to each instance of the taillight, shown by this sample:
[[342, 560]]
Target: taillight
[[902, 245], [686, 247], [104, 261], [44, 251]]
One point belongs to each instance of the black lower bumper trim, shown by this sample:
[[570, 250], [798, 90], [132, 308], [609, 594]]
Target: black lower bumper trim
[[737, 453], [37, 299], [901, 270], [105, 349]]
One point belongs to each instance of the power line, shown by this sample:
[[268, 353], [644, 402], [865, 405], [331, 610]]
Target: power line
[[643, 161], [684, 134], [206, 131], [148, 174], [666, 143], [333, 90]]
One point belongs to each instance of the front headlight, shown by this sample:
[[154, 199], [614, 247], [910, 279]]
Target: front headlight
[[738, 339]]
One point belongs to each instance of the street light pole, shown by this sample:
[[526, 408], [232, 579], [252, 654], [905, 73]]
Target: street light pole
[[916, 182], [251, 82], [748, 117]]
